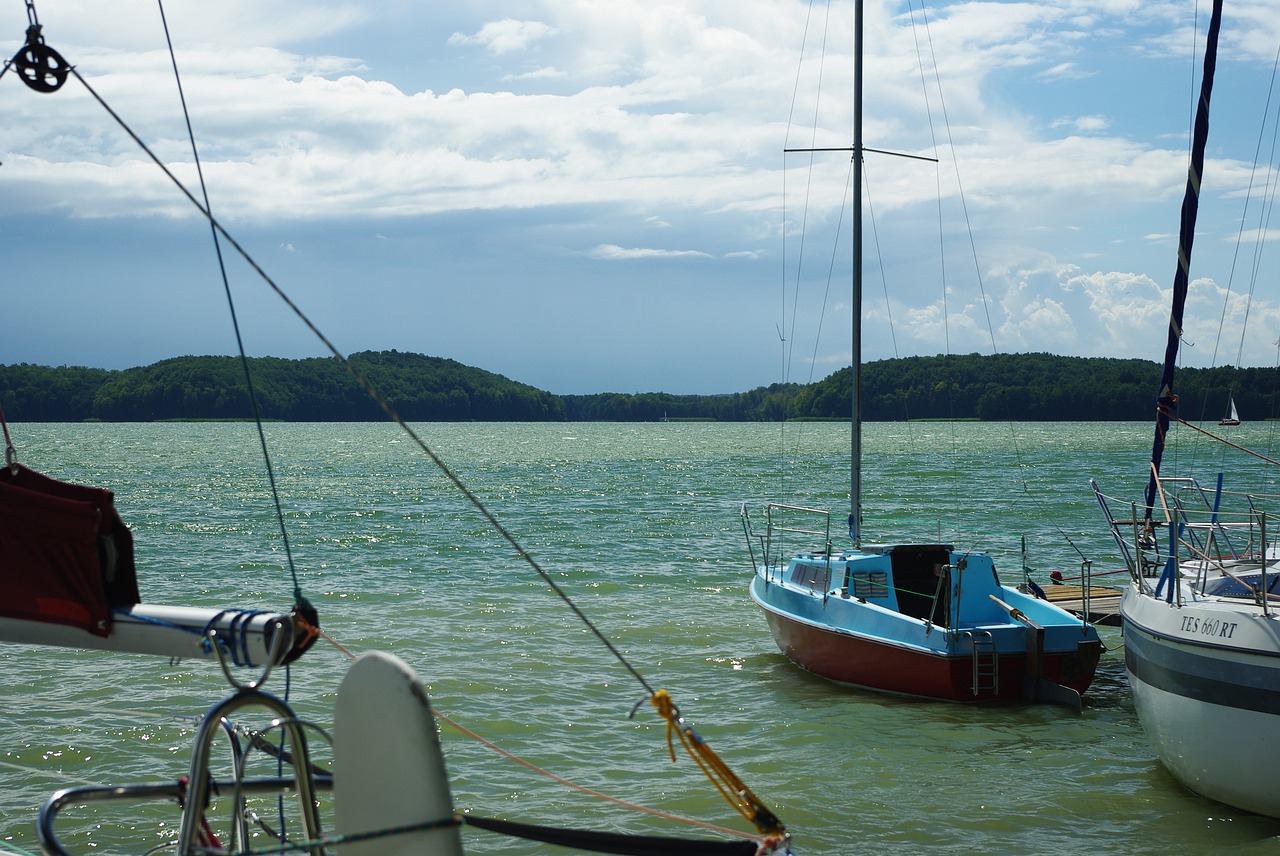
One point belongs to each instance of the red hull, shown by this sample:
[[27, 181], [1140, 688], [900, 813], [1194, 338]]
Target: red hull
[[878, 665]]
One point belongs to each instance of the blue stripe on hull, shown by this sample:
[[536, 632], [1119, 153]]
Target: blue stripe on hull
[[1189, 671]]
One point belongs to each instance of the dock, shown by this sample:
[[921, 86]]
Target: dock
[[1104, 602]]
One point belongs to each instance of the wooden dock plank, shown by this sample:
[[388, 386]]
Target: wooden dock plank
[[1104, 602]]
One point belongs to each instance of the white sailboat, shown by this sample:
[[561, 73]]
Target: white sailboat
[[1202, 612], [1233, 416]]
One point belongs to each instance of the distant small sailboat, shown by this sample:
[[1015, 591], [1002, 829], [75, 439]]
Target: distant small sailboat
[[1233, 416]]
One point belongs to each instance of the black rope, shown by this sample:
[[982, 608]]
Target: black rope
[[578, 839], [614, 842]]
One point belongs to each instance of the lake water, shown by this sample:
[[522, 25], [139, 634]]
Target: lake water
[[640, 525]]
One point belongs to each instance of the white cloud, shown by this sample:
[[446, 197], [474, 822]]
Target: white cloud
[[1126, 310], [547, 73], [612, 252], [1084, 124], [689, 116], [593, 125], [506, 36], [133, 25], [1063, 71]]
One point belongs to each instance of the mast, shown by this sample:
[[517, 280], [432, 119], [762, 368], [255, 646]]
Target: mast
[[1167, 401], [857, 148], [855, 423]]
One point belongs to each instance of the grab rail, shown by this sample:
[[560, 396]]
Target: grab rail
[[139, 792], [194, 793]]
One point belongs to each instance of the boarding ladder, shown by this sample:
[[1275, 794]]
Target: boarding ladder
[[986, 665]]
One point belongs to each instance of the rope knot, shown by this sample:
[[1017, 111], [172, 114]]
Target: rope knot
[[667, 709]]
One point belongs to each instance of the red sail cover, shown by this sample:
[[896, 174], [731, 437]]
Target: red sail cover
[[65, 555]]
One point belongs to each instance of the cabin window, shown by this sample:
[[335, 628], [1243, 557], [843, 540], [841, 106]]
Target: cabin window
[[873, 584], [813, 576]]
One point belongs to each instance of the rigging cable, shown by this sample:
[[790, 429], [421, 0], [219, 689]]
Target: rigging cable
[[812, 152], [1267, 196], [955, 479], [745, 801], [367, 386], [831, 270], [985, 301], [788, 336], [302, 606]]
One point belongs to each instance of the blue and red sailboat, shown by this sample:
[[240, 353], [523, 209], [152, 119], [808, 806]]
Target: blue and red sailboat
[[917, 619]]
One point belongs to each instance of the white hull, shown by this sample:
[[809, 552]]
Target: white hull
[[1205, 678]]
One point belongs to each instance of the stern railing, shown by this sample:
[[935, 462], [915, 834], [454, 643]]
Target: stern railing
[[1207, 534], [786, 529]]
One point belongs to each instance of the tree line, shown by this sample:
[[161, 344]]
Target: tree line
[[1020, 387], [1039, 388]]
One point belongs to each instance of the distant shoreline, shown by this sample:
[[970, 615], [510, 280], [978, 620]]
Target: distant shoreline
[[970, 387]]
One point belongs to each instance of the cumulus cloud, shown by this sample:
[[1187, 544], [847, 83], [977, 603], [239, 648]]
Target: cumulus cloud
[[590, 130], [1125, 310], [506, 36]]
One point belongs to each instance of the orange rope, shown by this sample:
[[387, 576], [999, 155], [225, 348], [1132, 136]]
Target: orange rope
[[582, 788], [725, 780], [334, 642], [768, 841]]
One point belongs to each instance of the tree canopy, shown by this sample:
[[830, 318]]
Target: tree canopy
[[1020, 387], [420, 388]]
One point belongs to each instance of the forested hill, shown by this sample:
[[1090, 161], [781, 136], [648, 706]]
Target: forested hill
[[309, 390], [1039, 387], [1042, 387]]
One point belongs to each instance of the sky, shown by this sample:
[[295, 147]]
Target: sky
[[594, 197]]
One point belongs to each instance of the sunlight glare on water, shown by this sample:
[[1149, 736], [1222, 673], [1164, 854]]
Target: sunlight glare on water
[[639, 523]]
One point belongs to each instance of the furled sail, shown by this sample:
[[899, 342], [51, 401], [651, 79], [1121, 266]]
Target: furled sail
[[66, 557], [1167, 402]]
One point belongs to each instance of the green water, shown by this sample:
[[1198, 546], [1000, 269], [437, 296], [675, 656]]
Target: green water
[[640, 524]]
